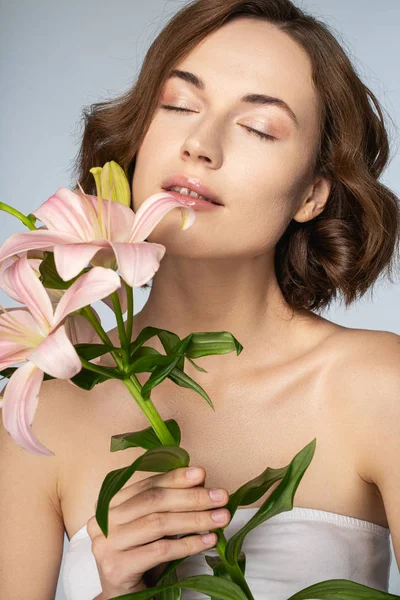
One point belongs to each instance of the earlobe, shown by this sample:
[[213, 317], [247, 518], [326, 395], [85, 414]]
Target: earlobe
[[315, 202]]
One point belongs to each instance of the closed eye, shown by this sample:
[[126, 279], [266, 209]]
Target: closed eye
[[264, 136]]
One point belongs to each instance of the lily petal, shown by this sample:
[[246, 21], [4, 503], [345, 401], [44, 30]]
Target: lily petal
[[19, 334], [12, 359], [139, 261], [118, 218], [122, 219], [6, 264], [34, 263], [70, 259], [122, 296], [70, 213], [80, 331], [89, 287], [153, 209], [20, 402], [31, 240], [56, 355], [23, 282]]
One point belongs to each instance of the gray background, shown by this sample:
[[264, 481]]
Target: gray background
[[57, 57]]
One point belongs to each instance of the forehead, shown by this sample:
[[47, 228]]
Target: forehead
[[250, 56]]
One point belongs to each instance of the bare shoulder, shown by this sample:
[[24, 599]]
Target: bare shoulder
[[365, 383], [367, 356], [53, 426], [365, 345]]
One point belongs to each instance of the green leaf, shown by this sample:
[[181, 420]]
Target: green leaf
[[218, 566], [181, 378], [162, 372], [279, 501], [89, 351], [86, 379], [212, 342], [159, 460], [145, 438], [197, 366], [218, 587], [147, 359], [172, 565], [171, 593], [343, 589], [201, 343], [168, 339], [255, 488]]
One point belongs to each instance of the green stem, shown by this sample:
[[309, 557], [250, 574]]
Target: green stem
[[129, 322], [108, 372], [88, 313], [121, 331], [148, 408], [13, 211], [120, 320], [234, 571]]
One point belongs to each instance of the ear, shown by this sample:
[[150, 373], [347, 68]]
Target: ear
[[315, 200]]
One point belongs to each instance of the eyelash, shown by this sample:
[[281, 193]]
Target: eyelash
[[263, 136]]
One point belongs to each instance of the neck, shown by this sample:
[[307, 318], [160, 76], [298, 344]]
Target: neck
[[241, 296]]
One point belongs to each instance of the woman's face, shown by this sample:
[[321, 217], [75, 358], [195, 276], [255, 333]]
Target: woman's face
[[263, 183]]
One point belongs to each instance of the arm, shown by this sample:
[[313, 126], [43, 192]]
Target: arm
[[379, 433], [31, 524]]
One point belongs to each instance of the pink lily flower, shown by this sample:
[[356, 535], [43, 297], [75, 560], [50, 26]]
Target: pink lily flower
[[78, 329], [38, 335], [35, 257], [80, 226]]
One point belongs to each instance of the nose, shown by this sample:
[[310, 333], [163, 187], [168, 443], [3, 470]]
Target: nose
[[197, 147]]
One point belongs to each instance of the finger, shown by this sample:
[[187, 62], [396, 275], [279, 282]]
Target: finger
[[176, 478], [147, 557], [155, 526], [161, 501]]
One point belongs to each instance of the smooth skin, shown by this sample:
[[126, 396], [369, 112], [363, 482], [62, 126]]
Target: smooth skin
[[217, 275]]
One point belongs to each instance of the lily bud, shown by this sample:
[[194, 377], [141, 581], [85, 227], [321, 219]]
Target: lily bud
[[112, 183]]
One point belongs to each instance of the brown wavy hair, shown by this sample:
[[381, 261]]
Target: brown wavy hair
[[356, 237]]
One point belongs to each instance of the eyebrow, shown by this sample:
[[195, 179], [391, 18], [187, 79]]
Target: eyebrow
[[260, 99]]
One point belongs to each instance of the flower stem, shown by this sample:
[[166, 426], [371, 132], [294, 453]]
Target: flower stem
[[121, 330], [88, 313], [150, 411], [129, 323], [234, 571], [19, 215], [120, 320]]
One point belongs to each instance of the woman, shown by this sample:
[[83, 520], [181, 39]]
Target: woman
[[295, 166]]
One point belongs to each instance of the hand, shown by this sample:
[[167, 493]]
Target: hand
[[140, 515]]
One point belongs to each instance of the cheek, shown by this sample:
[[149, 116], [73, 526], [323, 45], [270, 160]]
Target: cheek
[[147, 171]]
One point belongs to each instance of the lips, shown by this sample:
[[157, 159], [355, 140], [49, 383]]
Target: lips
[[192, 183]]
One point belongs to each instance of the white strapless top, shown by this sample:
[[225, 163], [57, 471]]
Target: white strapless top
[[285, 554]]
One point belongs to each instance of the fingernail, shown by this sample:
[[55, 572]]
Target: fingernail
[[219, 515], [216, 494], [193, 473], [209, 538]]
